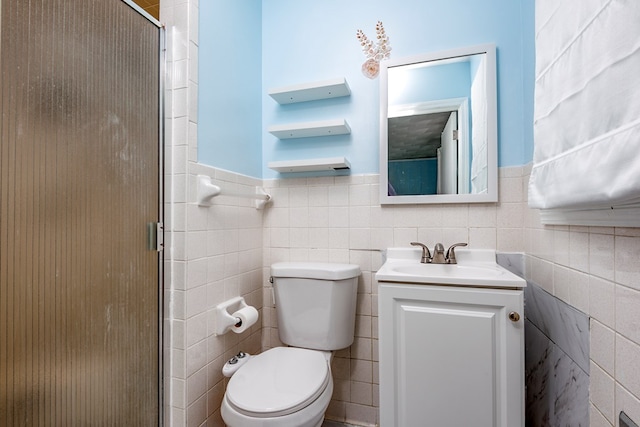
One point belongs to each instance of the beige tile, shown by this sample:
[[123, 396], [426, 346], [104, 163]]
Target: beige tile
[[628, 313], [579, 291], [601, 391], [360, 217], [484, 238], [628, 364], [361, 414], [361, 393], [299, 217], [318, 217], [510, 215], [341, 368], [338, 217], [561, 247], [484, 216], [196, 386], [215, 394], [454, 235], [359, 195], [626, 261], [361, 370], [197, 412], [402, 237], [579, 251], [400, 216], [299, 196], [511, 190], [318, 196], [561, 283], [363, 323], [596, 419], [510, 240], [627, 402], [361, 349], [602, 301], [215, 420], [455, 216], [196, 358], [363, 306], [601, 255], [341, 390], [178, 393], [541, 272], [336, 411], [338, 195], [602, 346]]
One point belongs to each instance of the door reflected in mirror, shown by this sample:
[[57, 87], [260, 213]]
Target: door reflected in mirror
[[438, 128]]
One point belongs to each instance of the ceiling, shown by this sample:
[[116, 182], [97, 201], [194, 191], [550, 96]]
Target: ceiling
[[417, 136], [152, 7]]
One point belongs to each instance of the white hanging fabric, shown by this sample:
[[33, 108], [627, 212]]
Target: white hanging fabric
[[587, 105]]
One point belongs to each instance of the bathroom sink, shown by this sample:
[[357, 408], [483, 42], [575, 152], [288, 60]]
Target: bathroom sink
[[475, 267], [446, 270]]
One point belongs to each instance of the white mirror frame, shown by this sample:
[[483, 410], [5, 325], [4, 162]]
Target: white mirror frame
[[491, 195]]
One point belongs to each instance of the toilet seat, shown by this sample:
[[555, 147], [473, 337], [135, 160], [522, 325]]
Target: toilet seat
[[278, 382]]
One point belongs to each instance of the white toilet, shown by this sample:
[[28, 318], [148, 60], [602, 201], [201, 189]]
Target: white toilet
[[292, 386]]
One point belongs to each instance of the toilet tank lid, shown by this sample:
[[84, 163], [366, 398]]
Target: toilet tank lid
[[315, 270]]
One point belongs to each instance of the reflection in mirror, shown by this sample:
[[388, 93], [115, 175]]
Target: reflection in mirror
[[438, 131]]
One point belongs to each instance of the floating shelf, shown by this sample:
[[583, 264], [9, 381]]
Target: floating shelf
[[325, 89], [310, 165], [309, 129]]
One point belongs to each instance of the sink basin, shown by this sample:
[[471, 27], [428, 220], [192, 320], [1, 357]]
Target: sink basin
[[446, 270], [476, 267]]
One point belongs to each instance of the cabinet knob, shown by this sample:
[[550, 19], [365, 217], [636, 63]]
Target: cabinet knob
[[514, 316]]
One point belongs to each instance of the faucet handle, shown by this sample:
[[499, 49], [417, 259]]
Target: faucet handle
[[451, 253], [426, 254]]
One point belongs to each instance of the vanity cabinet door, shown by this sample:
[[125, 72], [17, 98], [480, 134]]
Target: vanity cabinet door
[[451, 356]]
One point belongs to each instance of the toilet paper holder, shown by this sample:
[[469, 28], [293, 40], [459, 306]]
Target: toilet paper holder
[[224, 320]]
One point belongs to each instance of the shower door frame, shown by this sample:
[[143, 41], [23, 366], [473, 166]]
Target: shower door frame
[[160, 231]]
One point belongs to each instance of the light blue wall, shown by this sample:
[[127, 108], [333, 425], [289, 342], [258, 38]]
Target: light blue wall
[[305, 41], [230, 85]]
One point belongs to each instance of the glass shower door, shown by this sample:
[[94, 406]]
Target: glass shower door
[[80, 292]]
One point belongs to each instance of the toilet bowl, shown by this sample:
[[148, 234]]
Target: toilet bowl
[[292, 386], [282, 387]]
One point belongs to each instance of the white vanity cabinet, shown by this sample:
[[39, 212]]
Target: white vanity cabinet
[[450, 356]]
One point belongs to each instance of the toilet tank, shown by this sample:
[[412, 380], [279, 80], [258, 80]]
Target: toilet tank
[[316, 303]]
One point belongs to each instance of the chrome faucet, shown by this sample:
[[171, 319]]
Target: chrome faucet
[[439, 255]]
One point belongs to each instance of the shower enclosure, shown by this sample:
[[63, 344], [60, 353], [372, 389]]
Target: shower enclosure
[[80, 198]]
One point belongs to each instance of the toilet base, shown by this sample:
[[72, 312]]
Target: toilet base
[[309, 416]]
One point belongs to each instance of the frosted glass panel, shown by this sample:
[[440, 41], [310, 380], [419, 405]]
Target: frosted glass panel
[[79, 181]]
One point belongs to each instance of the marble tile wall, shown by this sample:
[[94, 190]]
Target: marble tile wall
[[556, 361]]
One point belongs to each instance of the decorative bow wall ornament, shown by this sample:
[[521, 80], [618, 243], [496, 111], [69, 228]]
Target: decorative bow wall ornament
[[375, 52]]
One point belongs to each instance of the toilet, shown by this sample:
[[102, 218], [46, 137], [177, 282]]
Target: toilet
[[292, 386]]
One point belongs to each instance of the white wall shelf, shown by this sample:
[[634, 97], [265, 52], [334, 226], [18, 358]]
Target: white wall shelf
[[310, 129], [325, 89], [310, 165]]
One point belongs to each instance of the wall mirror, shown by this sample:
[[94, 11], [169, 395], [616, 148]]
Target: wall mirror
[[438, 130]]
